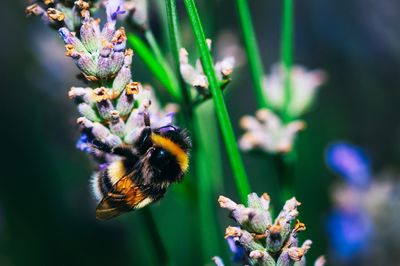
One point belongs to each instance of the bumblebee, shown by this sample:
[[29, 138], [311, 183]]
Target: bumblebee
[[158, 158]]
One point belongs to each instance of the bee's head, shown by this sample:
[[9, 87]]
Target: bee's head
[[169, 152]]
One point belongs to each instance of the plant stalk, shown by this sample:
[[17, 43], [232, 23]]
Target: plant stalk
[[239, 173], [176, 45], [287, 55], [148, 34], [208, 171], [252, 51], [287, 161], [156, 239]]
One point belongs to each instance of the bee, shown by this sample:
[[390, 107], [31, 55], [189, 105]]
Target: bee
[[158, 158]]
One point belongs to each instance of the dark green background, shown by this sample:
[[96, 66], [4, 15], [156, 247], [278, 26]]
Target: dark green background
[[46, 211]]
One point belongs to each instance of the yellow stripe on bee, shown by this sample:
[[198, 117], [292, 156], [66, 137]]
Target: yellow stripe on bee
[[116, 171], [173, 148]]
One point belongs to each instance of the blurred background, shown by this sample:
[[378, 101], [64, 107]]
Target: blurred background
[[46, 210]]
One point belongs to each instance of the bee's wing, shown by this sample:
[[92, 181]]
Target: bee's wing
[[124, 197]]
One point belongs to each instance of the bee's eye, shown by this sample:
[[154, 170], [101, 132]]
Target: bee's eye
[[160, 158], [160, 154]]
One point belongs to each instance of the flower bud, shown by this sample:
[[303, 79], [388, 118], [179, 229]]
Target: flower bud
[[262, 258], [90, 35], [108, 31], [87, 111], [87, 66], [70, 38], [104, 105], [55, 14], [34, 9], [119, 40], [84, 123], [103, 134], [126, 100], [117, 125], [124, 76]]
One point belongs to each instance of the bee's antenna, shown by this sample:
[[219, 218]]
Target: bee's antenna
[[146, 118]]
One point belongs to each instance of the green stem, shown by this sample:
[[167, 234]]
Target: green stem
[[175, 43], [155, 237], [285, 166], [160, 7], [253, 54], [206, 153], [148, 34], [287, 54], [238, 170], [207, 157], [159, 71]]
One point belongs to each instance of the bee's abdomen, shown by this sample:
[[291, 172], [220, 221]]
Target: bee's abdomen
[[104, 180], [105, 184], [95, 186], [101, 184]]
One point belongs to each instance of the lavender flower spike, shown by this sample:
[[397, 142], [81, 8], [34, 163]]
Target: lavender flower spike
[[98, 54], [194, 76], [60, 13], [304, 87], [265, 242]]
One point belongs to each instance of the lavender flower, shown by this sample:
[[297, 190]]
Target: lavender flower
[[304, 87], [363, 227], [266, 242], [350, 162], [194, 75], [349, 232], [112, 114], [349, 225], [60, 13], [137, 13], [98, 54], [267, 133]]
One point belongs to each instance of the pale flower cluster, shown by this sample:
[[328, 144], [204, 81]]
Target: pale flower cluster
[[266, 132]]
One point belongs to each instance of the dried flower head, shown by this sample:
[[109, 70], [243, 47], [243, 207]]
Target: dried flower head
[[304, 87], [266, 242], [267, 133]]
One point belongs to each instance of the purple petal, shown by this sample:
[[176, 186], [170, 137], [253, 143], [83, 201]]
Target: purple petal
[[83, 144], [113, 9], [349, 232], [349, 162], [236, 250]]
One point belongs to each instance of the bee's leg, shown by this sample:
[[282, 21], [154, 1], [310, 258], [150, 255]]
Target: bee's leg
[[120, 151], [97, 144], [123, 151], [143, 142]]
